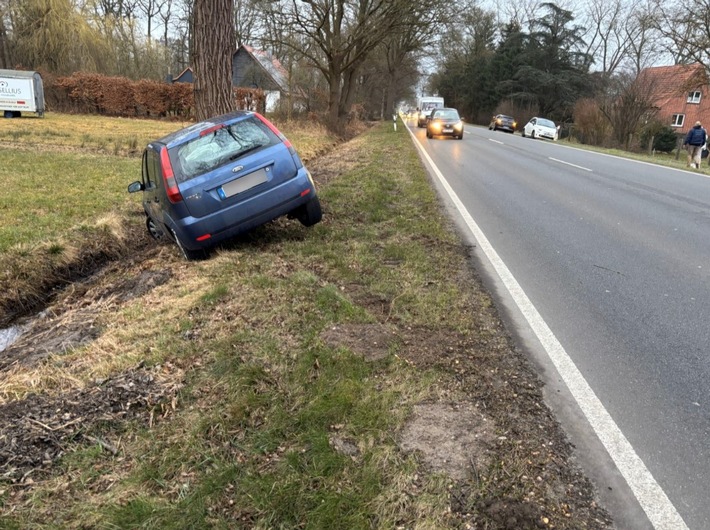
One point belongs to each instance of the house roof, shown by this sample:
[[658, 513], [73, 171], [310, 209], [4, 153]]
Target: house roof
[[187, 73], [271, 66], [671, 87]]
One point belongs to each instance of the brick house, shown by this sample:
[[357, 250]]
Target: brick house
[[251, 68], [680, 94]]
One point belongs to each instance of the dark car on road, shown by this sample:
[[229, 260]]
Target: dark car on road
[[445, 122], [221, 177], [503, 123]]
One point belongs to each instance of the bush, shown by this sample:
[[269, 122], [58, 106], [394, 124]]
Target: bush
[[119, 96], [664, 137], [590, 125]]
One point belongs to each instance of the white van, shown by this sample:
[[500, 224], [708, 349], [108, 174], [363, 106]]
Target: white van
[[425, 105]]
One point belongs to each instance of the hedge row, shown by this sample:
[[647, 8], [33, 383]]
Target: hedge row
[[119, 96]]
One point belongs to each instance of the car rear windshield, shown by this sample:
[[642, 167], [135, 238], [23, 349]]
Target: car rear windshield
[[221, 146]]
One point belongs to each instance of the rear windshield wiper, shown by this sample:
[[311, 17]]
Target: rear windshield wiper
[[242, 153]]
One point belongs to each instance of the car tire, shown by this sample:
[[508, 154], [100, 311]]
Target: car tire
[[309, 213], [532, 134], [428, 134], [460, 136], [522, 133], [153, 229], [189, 255]]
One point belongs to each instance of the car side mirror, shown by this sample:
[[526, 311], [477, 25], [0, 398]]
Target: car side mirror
[[133, 187]]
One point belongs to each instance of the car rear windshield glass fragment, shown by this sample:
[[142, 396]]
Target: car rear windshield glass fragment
[[226, 144]]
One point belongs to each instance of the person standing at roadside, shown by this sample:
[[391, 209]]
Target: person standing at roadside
[[695, 141]]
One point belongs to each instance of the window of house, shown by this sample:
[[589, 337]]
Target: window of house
[[677, 120], [694, 97]]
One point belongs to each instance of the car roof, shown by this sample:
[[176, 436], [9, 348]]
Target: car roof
[[194, 130]]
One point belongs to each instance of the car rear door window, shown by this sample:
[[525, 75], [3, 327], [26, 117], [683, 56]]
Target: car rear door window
[[218, 147], [150, 169]]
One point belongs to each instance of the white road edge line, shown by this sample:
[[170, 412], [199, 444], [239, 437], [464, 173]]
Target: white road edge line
[[568, 164], [648, 492]]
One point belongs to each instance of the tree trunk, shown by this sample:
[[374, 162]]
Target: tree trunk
[[334, 94], [214, 47], [4, 51]]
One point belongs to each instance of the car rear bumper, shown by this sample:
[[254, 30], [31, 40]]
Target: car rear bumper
[[244, 215]]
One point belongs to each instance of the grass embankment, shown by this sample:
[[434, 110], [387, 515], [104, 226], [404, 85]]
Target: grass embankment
[[65, 179], [299, 355], [249, 442]]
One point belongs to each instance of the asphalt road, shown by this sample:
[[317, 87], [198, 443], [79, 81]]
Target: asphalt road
[[613, 257]]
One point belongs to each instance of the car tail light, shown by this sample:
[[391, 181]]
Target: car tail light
[[278, 133], [171, 186]]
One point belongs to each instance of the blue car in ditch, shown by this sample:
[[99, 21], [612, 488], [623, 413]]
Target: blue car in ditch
[[222, 177]]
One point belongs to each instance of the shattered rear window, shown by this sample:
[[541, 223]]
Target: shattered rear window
[[221, 146]]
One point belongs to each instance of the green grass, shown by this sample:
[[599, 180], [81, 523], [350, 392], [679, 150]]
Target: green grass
[[47, 194], [250, 445], [64, 170]]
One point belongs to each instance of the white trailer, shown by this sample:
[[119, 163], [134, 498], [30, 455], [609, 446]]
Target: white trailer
[[20, 92]]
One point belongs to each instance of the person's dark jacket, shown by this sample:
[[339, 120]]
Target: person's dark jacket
[[695, 136]]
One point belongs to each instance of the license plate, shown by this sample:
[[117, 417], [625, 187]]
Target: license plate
[[242, 184], [448, 129]]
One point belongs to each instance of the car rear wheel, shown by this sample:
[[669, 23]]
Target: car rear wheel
[[190, 255], [153, 229], [532, 134], [310, 213]]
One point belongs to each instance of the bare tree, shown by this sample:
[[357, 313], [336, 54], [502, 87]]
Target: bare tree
[[643, 36], [150, 9], [343, 34], [248, 21], [607, 39], [686, 26], [627, 103], [166, 14], [5, 61], [183, 30], [214, 47]]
